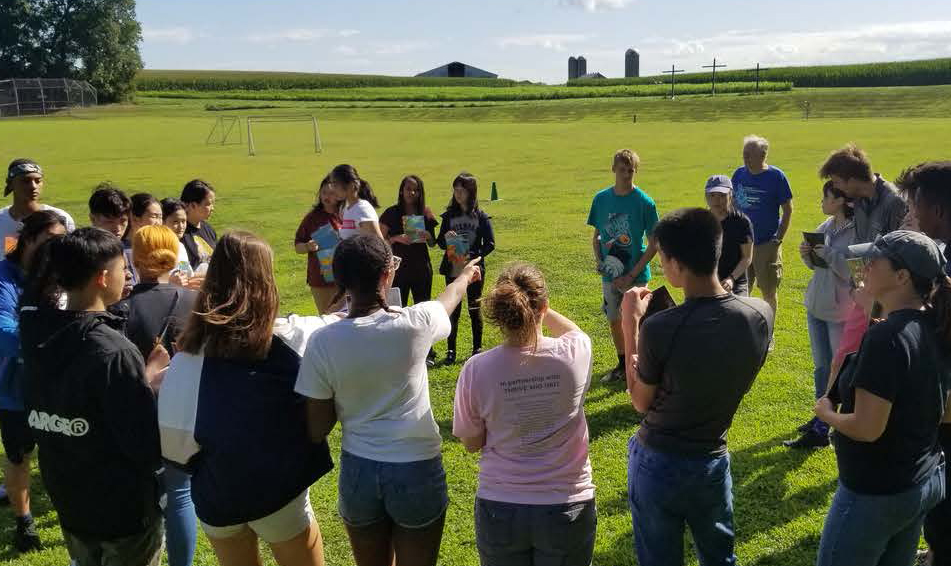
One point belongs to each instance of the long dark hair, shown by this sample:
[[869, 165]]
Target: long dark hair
[[141, 202], [319, 205], [420, 202], [936, 295], [469, 183], [358, 264], [235, 309], [346, 174], [67, 263], [34, 225]]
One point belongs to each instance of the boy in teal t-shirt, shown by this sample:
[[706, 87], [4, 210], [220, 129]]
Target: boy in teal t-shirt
[[622, 215]]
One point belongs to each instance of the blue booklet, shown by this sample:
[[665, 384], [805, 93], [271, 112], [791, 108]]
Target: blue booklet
[[325, 237]]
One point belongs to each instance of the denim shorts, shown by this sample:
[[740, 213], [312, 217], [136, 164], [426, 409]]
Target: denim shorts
[[510, 534], [413, 495]]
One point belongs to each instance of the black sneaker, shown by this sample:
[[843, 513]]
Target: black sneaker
[[476, 351], [25, 538], [431, 359], [809, 439], [806, 427], [616, 374], [450, 357]]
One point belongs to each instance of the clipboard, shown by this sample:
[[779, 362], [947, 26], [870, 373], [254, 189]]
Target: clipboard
[[815, 239]]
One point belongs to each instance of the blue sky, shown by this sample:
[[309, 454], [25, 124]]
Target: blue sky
[[532, 39]]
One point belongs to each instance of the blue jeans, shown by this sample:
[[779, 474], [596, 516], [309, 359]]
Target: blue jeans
[[515, 534], [824, 337], [180, 522], [413, 495], [667, 492], [878, 530]]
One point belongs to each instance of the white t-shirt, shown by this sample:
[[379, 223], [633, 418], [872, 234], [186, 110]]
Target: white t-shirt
[[10, 228], [374, 368], [361, 211]]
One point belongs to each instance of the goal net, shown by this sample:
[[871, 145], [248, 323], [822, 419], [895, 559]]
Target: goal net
[[256, 121], [226, 131]]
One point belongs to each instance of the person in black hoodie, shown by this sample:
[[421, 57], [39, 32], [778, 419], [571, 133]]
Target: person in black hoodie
[[90, 403], [158, 311], [228, 413], [465, 233]]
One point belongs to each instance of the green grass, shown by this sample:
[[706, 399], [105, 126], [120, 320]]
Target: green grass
[[893, 73], [462, 93], [158, 79], [548, 159]]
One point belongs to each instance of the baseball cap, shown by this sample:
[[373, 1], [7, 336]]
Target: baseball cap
[[719, 184], [916, 252]]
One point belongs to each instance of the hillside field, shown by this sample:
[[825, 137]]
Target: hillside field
[[547, 159]]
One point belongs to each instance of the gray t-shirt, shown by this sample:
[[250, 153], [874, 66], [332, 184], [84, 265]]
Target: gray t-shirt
[[880, 214], [703, 357]]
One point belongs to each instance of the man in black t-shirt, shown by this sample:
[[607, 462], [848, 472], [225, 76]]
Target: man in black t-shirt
[[679, 468], [200, 238]]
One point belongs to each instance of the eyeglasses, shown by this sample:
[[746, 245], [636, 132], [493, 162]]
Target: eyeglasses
[[395, 264]]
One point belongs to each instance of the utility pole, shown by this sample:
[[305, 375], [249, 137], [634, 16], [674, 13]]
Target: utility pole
[[758, 69], [673, 73], [714, 66]]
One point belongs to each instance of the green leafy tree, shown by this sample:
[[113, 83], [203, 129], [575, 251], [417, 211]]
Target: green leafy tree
[[93, 40]]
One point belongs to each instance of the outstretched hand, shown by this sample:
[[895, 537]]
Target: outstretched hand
[[472, 272]]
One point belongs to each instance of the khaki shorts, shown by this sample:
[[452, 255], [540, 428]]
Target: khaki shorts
[[766, 270], [280, 526]]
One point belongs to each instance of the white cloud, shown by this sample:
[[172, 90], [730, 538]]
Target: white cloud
[[596, 5], [179, 34], [301, 35], [345, 50], [555, 41], [400, 47], [743, 49]]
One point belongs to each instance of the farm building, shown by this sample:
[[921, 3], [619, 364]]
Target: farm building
[[457, 69], [592, 76]]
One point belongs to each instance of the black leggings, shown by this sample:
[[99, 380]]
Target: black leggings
[[473, 296], [419, 281]]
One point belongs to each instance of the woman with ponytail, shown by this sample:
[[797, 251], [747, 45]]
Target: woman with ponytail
[[522, 405], [157, 311], [358, 215], [891, 396], [18, 441], [369, 372]]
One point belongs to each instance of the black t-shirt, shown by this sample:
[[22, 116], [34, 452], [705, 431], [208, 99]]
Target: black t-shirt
[[681, 351], [150, 307], [737, 230], [414, 256], [898, 361], [199, 243]]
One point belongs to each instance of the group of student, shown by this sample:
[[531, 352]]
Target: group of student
[[233, 427]]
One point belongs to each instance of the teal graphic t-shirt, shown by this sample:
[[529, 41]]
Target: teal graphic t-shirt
[[622, 223]]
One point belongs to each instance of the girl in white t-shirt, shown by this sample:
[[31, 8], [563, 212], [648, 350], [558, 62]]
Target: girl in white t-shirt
[[358, 215], [521, 405], [369, 372]]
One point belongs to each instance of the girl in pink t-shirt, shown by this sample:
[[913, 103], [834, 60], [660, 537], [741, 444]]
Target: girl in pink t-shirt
[[522, 405]]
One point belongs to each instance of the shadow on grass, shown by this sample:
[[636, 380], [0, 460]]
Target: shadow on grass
[[762, 503], [43, 513]]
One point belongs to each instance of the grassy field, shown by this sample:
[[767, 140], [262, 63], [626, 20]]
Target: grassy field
[[895, 73], [548, 159], [463, 93]]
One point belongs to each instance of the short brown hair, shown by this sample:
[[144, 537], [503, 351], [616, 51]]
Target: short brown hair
[[626, 157], [235, 309], [516, 302], [850, 162]]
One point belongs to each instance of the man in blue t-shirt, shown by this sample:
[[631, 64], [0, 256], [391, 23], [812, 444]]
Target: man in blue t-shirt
[[621, 215], [760, 191]]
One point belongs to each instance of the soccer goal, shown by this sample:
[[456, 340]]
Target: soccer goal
[[226, 131], [252, 120]]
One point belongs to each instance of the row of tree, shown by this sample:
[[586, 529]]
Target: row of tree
[[91, 40]]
